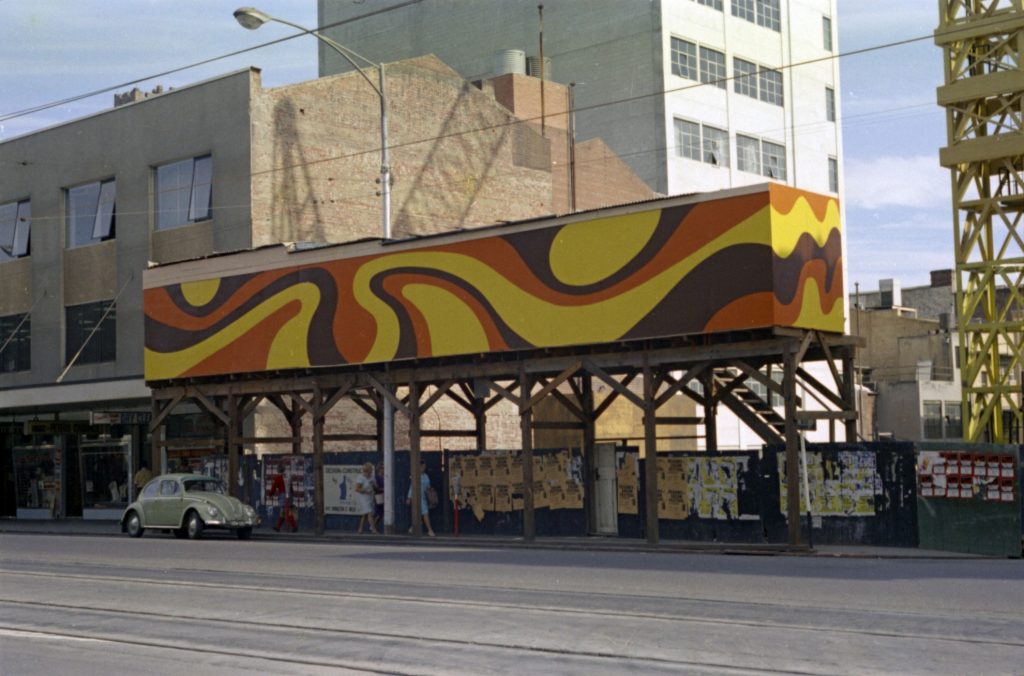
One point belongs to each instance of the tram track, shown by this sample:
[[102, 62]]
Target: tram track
[[590, 611]]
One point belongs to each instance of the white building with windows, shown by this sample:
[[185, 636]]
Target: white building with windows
[[695, 95]]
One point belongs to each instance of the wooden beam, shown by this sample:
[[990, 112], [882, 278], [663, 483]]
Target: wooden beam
[[789, 367], [209, 406], [680, 384], [318, 460], [650, 456], [158, 418], [758, 426], [568, 404], [612, 383], [448, 433], [413, 411], [526, 430], [553, 383], [385, 392], [612, 396], [438, 393], [299, 402], [821, 388]]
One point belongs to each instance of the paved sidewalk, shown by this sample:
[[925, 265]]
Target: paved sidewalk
[[83, 527]]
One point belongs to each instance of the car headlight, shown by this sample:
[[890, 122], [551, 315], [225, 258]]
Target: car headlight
[[250, 512], [213, 511]]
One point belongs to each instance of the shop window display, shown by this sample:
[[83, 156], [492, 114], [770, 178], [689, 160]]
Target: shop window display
[[105, 474]]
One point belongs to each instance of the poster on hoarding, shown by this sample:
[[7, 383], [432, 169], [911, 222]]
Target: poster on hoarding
[[340, 489]]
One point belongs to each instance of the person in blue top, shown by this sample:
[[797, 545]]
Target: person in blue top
[[424, 503]]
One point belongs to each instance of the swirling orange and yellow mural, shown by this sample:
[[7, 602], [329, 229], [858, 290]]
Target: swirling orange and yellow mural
[[768, 258]]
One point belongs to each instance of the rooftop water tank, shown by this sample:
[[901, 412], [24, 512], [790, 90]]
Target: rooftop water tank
[[533, 67], [510, 61]]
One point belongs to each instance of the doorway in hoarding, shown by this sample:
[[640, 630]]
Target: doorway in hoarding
[[605, 517]]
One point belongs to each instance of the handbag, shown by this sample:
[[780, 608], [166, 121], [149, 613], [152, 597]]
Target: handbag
[[378, 498]]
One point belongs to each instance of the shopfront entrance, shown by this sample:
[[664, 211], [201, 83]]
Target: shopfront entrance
[[106, 470]]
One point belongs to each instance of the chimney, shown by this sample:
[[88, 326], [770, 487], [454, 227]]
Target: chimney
[[942, 277]]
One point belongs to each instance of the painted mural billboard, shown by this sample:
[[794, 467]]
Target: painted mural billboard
[[673, 267]]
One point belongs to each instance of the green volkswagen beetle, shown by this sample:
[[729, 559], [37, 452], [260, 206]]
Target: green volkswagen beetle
[[186, 505]]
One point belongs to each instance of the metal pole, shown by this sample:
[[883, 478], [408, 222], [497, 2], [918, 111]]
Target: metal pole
[[540, 13], [389, 465], [807, 490], [385, 162]]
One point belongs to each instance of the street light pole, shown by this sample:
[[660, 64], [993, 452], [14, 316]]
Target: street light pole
[[252, 19]]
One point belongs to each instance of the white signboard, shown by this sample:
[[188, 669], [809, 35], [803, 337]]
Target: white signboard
[[340, 489]]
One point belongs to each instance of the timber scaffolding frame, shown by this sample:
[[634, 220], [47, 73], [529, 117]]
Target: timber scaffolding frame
[[722, 364]]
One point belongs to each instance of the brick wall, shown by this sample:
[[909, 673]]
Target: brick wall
[[316, 157]]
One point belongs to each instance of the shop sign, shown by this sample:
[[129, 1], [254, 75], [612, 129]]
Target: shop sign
[[11, 428], [120, 417], [55, 427]]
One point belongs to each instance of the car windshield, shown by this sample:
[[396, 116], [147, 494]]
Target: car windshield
[[205, 486]]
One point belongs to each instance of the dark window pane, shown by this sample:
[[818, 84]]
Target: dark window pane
[[80, 321], [103, 226], [202, 177], [82, 203], [15, 343]]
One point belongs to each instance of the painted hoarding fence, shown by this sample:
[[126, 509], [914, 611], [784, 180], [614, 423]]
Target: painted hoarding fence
[[771, 258], [969, 498]]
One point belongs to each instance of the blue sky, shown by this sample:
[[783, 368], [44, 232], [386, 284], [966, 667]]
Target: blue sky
[[897, 197]]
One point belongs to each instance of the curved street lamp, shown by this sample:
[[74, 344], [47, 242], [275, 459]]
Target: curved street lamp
[[251, 18]]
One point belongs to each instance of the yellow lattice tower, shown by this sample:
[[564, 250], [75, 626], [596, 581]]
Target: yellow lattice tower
[[984, 99]]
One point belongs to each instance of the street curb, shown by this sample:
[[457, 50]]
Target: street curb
[[588, 544]]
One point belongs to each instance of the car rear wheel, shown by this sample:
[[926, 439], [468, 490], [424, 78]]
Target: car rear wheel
[[194, 526], [134, 525], [244, 533]]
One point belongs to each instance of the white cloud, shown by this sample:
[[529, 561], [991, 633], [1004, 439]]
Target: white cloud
[[893, 181]]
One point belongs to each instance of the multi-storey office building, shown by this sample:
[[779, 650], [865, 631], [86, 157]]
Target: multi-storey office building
[[694, 94], [217, 166]]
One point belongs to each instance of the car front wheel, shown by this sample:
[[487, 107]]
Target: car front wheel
[[135, 528], [194, 526], [244, 533]]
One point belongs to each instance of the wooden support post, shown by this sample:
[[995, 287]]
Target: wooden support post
[[589, 437], [792, 445], [526, 427], [480, 417], [414, 458], [156, 436], [318, 457], [234, 435], [650, 455], [707, 379], [849, 394]]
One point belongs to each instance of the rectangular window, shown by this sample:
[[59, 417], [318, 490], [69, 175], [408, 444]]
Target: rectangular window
[[15, 230], [931, 419], [769, 14], [80, 320], [826, 33], [770, 86], [716, 146], [687, 139], [830, 104], [953, 426], [748, 154], [91, 213], [16, 333], [712, 67], [744, 77], [833, 174], [773, 158], [183, 192], [684, 59], [744, 9], [715, 4]]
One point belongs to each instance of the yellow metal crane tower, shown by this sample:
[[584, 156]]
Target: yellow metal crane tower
[[983, 95]]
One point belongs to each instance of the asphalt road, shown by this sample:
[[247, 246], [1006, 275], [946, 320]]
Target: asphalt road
[[109, 605]]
